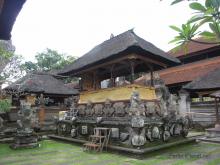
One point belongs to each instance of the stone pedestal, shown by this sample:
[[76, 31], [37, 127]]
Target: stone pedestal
[[25, 140], [213, 132]]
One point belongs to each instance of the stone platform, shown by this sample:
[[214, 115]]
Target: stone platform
[[131, 150], [29, 145], [213, 132], [212, 135]]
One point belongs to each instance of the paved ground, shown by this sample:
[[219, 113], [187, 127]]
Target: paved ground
[[58, 153]]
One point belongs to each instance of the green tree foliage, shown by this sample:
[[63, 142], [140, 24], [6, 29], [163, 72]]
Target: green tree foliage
[[5, 105], [5, 57], [205, 14], [48, 60], [9, 64]]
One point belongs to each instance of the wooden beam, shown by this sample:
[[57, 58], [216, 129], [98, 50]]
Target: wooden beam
[[127, 57], [146, 59]]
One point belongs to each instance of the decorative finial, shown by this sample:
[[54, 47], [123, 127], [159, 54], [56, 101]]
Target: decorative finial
[[112, 35]]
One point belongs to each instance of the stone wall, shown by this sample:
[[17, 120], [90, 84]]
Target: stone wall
[[203, 113], [50, 112]]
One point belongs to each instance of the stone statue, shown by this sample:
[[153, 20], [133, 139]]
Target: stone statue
[[24, 136], [73, 110], [136, 108], [172, 104], [25, 114]]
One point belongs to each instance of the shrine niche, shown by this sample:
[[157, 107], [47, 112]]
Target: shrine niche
[[128, 114]]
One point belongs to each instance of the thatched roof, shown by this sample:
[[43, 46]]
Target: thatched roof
[[207, 82], [42, 83], [194, 48], [123, 44], [9, 9], [215, 94]]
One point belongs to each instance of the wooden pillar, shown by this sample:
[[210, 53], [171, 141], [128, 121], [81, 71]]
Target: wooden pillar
[[151, 78], [94, 80], [132, 71], [112, 76], [216, 108]]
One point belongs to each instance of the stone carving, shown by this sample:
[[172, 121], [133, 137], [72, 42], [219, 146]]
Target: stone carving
[[138, 139], [172, 104], [84, 130], [108, 109], [166, 135], [98, 110], [155, 132], [133, 122], [73, 132], [89, 109], [136, 107], [137, 121], [119, 109], [73, 112], [81, 110], [24, 136], [163, 95], [150, 108]]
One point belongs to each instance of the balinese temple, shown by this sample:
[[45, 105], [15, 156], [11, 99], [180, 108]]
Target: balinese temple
[[208, 85], [124, 54], [122, 107], [33, 86], [205, 85], [197, 60]]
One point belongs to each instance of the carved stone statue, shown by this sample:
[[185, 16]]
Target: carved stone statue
[[24, 136], [73, 110], [137, 108], [172, 106]]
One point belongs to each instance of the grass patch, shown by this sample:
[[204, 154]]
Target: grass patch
[[58, 153]]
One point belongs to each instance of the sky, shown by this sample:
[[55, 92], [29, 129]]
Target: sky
[[76, 26]]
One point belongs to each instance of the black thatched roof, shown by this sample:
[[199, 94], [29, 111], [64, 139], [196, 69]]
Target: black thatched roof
[[42, 83], [127, 42], [209, 81], [9, 9], [215, 94]]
